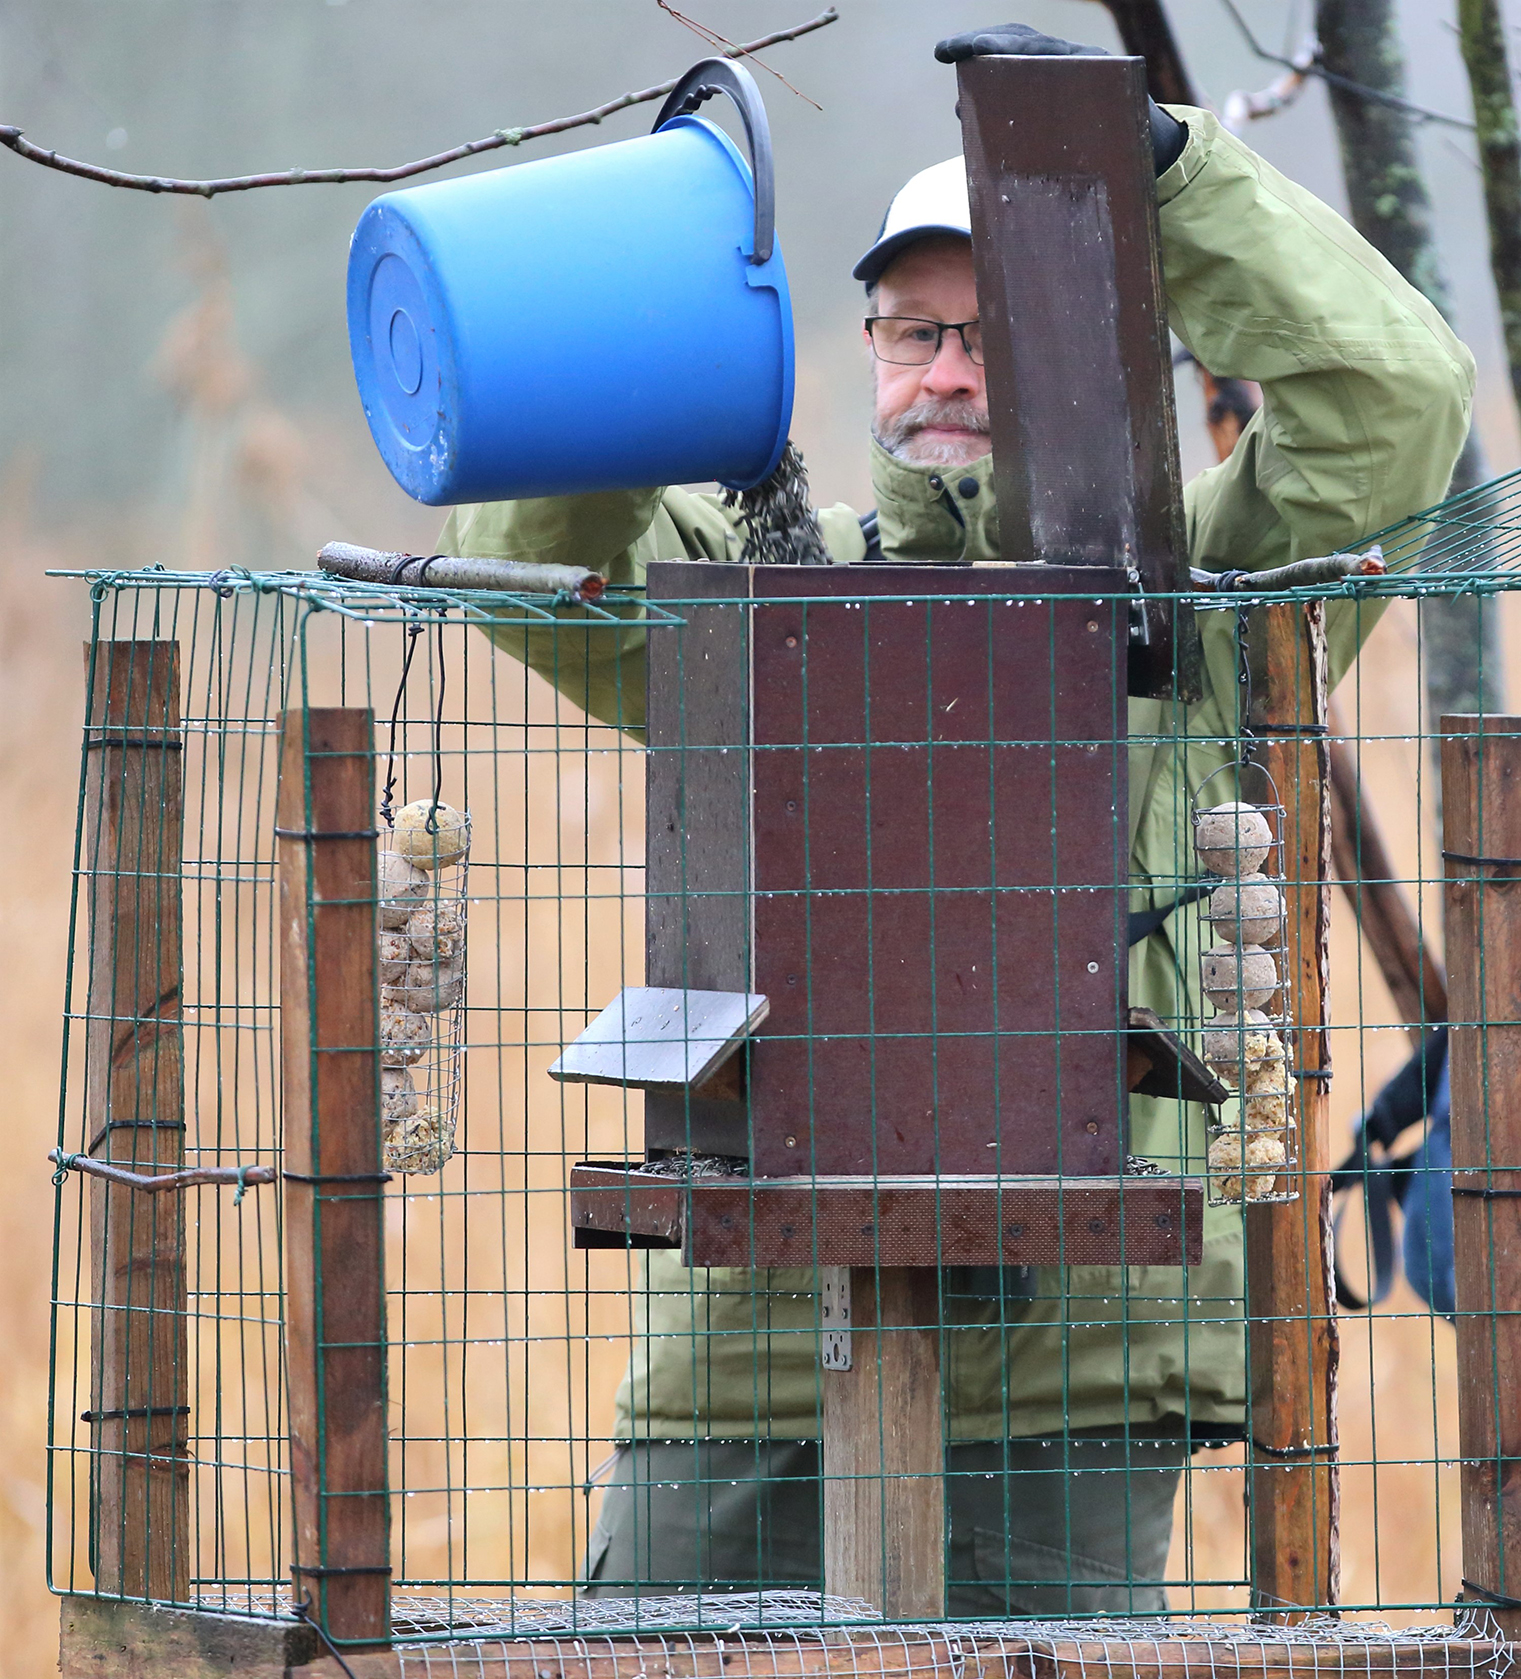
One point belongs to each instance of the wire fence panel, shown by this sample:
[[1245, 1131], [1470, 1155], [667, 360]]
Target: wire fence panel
[[857, 1115]]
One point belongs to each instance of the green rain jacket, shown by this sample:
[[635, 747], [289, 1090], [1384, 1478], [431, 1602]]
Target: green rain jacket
[[1365, 405]]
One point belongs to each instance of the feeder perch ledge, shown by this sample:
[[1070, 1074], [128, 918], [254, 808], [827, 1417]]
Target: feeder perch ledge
[[661, 1038]]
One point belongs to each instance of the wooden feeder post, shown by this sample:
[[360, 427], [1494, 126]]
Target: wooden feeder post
[[883, 1447], [334, 1202], [139, 1410], [1481, 840], [1293, 1337]]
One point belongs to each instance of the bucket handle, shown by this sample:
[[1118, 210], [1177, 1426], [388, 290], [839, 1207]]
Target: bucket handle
[[720, 75]]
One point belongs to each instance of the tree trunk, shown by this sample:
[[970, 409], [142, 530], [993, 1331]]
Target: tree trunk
[[1147, 34], [1482, 34], [1391, 208]]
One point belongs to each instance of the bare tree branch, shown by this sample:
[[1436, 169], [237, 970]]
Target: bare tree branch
[[1362, 90], [730, 49], [1242, 107], [1146, 33], [18, 143]]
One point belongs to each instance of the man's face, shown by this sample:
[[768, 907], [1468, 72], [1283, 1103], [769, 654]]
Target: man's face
[[935, 415]]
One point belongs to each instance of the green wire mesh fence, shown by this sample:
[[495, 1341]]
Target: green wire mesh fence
[[843, 1127]]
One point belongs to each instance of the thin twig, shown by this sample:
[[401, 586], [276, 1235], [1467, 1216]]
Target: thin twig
[[1361, 89], [1242, 107], [728, 47], [18, 143]]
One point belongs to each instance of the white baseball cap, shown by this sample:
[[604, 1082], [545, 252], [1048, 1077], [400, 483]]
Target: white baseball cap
[[933, 201]]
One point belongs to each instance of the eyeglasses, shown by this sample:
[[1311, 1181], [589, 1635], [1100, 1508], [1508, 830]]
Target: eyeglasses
[[909, 342]]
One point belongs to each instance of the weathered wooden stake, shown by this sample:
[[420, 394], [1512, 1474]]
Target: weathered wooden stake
[[884, 1456], [1481, 823], [1293, 1338], [335, 1290], [139, 1412]]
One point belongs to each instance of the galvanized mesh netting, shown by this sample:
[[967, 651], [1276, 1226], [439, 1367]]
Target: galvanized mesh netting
[[851, 997]]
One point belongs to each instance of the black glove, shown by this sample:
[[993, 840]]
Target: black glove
[[1013, 40], [1019, 40]]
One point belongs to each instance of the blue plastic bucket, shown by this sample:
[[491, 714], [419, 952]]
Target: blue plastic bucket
[[605, 320]]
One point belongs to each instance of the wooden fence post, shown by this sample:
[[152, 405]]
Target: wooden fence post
[[1294, 1349], [134, 816], [884, 1455], [1481, 840], [334, 1202]]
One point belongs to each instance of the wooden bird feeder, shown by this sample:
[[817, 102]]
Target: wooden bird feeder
[[880, 973]]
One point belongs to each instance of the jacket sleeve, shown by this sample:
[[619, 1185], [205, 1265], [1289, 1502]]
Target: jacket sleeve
[[596, 659], [1365, 389]]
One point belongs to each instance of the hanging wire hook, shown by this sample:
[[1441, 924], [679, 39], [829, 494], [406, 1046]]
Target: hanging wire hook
[[413, 631], [438, 734], [437, 728]]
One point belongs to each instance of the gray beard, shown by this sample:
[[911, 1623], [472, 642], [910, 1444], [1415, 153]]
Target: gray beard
[[901, 437]]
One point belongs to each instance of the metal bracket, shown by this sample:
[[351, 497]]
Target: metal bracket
[[834, 1282]]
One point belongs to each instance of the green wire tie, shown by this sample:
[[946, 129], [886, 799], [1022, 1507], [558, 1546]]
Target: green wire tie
[[65, 1164]]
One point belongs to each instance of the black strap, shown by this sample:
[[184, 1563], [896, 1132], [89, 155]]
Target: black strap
[[1145, 922], [1323, 1450], [331, 833], [319, 1571], [1384, 1186], [1404, 1101], [135, 1411], [1484, 1595], [871, 529], [141, 743]]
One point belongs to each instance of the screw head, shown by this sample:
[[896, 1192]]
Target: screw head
[[1093, 967], [791, 1142]]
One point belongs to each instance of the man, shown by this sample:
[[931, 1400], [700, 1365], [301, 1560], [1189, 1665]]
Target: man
[[1365, 405]]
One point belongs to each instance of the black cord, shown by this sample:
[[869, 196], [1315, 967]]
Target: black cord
[[1243, 653], [1484, 1595], [413, 631], [303, 1612], [438, 734]]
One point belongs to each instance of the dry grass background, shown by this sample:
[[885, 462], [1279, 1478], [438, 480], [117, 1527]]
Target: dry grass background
[[1399, 1522]]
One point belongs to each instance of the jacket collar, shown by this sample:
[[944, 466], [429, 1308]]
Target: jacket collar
[[925, 519]]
